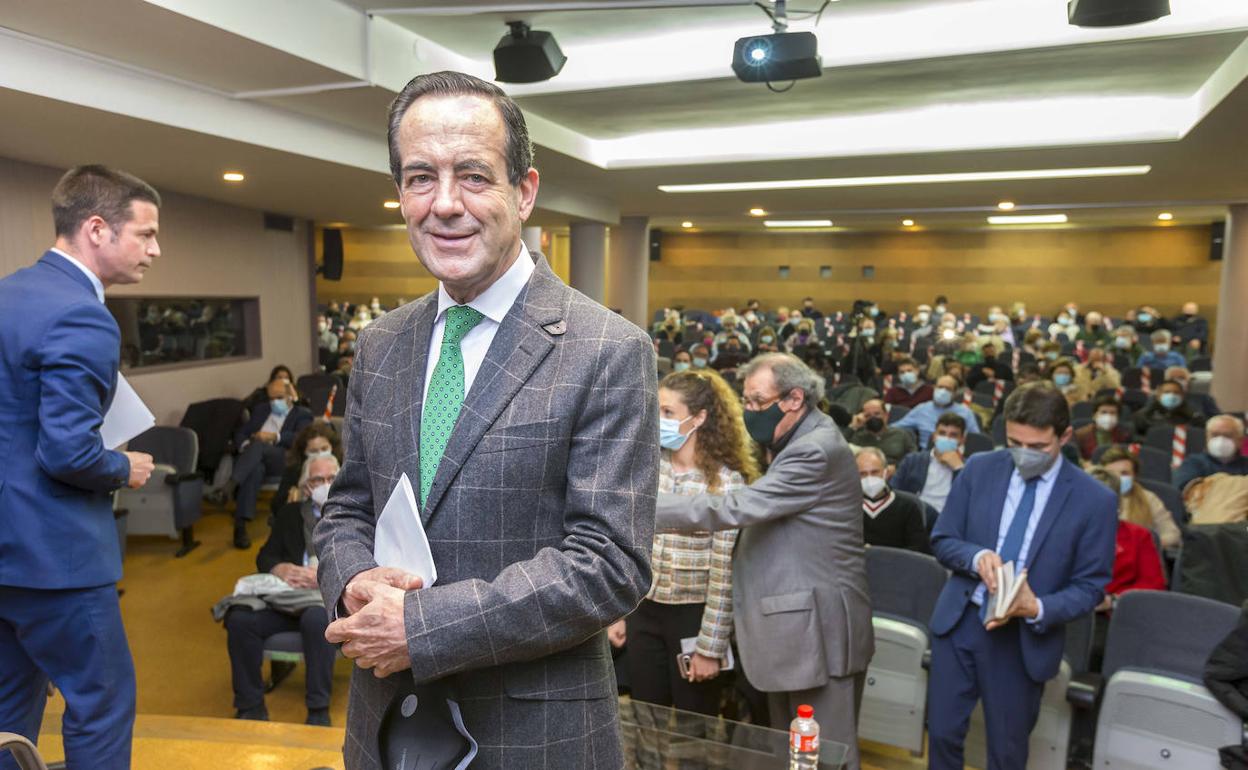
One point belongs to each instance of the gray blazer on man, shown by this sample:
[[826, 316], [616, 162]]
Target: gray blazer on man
[[800, 603], [540, 518]]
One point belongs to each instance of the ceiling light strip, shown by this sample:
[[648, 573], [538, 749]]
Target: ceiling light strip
[[904, 179], [1029, 219], [797, 223]]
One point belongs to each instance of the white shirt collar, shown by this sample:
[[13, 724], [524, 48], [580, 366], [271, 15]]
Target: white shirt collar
[[95, 279], [495, 302]]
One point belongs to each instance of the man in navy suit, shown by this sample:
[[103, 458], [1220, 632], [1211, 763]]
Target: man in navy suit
[[1030, 506], [59, 556]]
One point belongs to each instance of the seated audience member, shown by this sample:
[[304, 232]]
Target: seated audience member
[[1106, 428], [1064, 326], [700, 356], [1200, 402], [1033, 347], [753, 315], [809, 311], [730, 328], [1097, 373], [682, 361], [1166, 407], [360, 321], [1062, 374], [768, 341], [802, 337], [1148, 320], [261, 444], [1137, 565], [869, 428], [1127, 345], [343, 369], [1049, 353], [790, 326], [993, 367], [1093, 334], [1190, 327], [261, 394], [730, 355], [375, 309], [319, 439], [923, 325], [325, 337], [1026, 373], [1224, 441], [1136, 503], [946, 399], [930, 474], [908, 389], [892, 519], [1161, 356], [288, 555]]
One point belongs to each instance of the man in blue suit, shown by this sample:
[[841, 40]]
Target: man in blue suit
[[59, 556], [1030, 506]]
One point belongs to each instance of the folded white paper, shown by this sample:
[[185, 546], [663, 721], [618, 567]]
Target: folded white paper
[[400, 539], [127, 417], [689, 645]]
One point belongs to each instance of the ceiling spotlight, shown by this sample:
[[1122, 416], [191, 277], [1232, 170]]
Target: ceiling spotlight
[[686, 224], [1029, 219], [1006, 205], [907, 223], [757, 212], [1165, 216], [233, 176], [1115, 13], [391, 204], [527, 56]]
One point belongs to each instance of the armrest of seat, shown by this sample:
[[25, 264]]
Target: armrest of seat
[[1084, 690], [927, 659], [179, 478]]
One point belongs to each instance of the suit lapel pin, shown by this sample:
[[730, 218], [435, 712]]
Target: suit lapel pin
[[557, 328]]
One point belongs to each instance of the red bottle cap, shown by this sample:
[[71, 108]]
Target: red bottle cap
[[805, 712]]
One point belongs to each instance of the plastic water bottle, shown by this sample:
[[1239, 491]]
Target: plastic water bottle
[[804, 740]]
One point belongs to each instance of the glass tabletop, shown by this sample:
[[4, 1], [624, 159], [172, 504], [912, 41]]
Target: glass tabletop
[[662, 738]]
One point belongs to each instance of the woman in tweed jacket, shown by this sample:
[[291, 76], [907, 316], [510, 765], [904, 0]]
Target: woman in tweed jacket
[[705, 449]]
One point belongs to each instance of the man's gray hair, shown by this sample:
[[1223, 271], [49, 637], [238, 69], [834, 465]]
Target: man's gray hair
[[307, 466], [875, 450], [791, 373], [1232, 419], [1161, 335]]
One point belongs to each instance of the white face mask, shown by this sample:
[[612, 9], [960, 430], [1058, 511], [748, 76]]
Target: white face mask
[[872, 486], [1106, 421], [1222, 448], [320, 495]]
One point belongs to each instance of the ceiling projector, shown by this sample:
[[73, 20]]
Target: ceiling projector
[[527, 56], [1115, 13], [777, 57]]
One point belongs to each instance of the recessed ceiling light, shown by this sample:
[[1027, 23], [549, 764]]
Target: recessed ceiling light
[[907, 223], [757, 212], [1006, 205], [686, 224], [1165, 216], [233, 176], [797, 223], [1029, 219], [391, 204], [903, 179]]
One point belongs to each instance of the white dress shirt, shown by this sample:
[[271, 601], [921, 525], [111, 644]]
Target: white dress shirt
[[95, 279], [494, 303], [1014, 496], [939, 481]]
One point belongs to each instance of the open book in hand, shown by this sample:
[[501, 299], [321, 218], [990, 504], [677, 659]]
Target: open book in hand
[[1008, 586], [400, 540]]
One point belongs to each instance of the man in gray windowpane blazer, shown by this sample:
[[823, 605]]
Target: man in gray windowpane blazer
[[526, 415]]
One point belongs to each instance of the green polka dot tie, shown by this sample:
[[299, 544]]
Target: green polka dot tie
[[445, 396]]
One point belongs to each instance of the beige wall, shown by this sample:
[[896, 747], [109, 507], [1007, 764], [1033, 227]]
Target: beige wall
[[1112, 270], [207, 249], [380, 263]]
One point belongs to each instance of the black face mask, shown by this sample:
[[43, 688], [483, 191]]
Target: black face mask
[[875, 424], [761, 425]]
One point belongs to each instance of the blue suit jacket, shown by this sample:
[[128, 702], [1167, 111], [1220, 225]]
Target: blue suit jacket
[[59, 350], [911, 474], [299, 418], [1069, 562]]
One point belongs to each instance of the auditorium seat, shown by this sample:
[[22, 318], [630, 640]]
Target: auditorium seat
[[1211, 563], [213, 422], [172, 499], [978, 442], [1162, 437], [1201, 364], [1155, 710], [316, 388], [1082, 410], [23, 751], [1170, 496]]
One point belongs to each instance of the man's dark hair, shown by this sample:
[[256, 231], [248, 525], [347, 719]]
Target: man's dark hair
[[519, 149], [1028, 369], [941, 299], [808, 299], [1038, 405], [953, 420], [908, 361], [94, 190], [1107, 401]]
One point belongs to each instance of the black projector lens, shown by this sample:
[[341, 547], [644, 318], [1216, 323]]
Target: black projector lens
[[777, 58]]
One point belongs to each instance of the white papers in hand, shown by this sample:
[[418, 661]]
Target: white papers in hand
[[1008, 586], [127, 417], [400, 539]]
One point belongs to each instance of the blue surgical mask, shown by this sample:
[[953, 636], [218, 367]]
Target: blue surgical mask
[[670, 436], [766, 339], [1161, 347], [1125, 484], [1144, 317], [909, 378], [868, 332], [1122, 343], [942, 397], [944, 444], [1051, 355], [1170, 400], [1061, 380], [681, 366], [874, 311], [699, 363], [279, 407]]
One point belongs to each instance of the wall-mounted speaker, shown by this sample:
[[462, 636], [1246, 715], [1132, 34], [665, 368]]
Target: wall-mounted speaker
[[656, 245], [1217, 238], [331, 254]]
